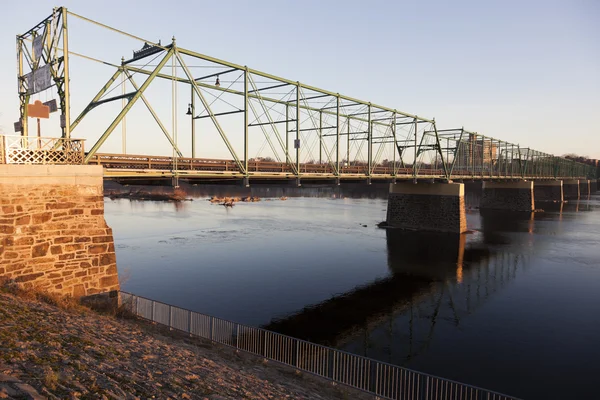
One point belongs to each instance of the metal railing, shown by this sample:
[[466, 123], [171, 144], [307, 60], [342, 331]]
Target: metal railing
[[368, 375], [17, 149]]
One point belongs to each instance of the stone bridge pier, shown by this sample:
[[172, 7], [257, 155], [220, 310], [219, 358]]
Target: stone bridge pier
[[53, 235], [435, 207], [571, 189], [546, 191], [585, 187], [511, 196]]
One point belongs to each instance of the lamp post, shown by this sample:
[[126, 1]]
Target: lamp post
[[190, 112]]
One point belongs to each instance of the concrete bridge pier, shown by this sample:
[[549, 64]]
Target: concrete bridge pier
[[548, 191], [584, 187], [571, 189], [510, 196], [433, 207]]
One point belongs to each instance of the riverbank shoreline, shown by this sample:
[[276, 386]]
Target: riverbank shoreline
[[57, 351]]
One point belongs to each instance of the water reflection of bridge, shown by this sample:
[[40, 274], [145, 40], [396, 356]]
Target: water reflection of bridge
[[433, 278]]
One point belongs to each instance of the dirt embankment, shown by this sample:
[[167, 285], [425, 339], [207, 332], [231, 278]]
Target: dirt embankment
[[70, 352]]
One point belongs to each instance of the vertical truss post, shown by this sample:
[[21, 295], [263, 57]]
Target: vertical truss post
[[246, 121], [395, 144], [66, 130], [297, 144], [174, 113], [472, 147], [287, 130], [512, 160], [337, 136], [123, 104], [193, 122], [491, 158], [23, 96], [348, 141], [441, 153], [505, 159], [320, 137], [370, 142], [482, 155], [415, 154]]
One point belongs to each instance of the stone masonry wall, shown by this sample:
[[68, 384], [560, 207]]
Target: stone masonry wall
[[426, 212], [546, 192], [52, 229], [571, 190], [504, 197], [584, 187]]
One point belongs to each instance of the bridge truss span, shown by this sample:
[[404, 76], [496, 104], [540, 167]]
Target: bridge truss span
[[267, 126]]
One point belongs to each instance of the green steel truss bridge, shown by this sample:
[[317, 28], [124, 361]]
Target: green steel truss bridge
[[304, 132]]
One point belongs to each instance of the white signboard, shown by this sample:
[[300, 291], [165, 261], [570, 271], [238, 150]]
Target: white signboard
[[38, 80], [38, 47]]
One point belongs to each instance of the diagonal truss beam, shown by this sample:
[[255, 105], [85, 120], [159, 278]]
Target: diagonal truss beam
[[156, 118], [128, 107]]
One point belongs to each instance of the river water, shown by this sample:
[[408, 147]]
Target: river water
[[513, 306]]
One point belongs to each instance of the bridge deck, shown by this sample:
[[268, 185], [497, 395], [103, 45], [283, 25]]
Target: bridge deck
[[130, 166]]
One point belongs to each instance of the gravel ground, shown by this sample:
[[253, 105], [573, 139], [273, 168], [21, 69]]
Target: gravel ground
[[53, 352]]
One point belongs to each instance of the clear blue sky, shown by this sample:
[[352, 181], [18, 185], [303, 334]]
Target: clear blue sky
[[522, 71]]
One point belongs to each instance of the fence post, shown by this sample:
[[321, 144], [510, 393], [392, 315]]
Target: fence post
[[137, 305], [212, 328], [265, 346], [190, 322], [153, 310], [237, 336], [170, 317]]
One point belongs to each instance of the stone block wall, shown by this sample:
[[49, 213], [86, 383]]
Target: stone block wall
[[52, 229], [571, 189], [510, 196], [434, 207], [584, 187], [548, 191]]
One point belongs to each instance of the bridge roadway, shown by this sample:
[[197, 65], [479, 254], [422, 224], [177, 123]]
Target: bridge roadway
[[144, 166]]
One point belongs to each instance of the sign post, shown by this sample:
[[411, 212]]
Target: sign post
[[38, 110]]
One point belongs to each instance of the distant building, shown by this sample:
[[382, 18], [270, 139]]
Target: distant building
[[475, 154]]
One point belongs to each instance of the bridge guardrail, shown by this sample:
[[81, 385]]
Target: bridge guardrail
[[17, 149], [368, 375]]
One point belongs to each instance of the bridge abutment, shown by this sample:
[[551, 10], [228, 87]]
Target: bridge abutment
[[548, 191], [571, 189], [53, 235], [511, 196], [435, 207]]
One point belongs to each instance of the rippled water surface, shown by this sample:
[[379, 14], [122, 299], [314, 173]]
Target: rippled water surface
[[513, 306]]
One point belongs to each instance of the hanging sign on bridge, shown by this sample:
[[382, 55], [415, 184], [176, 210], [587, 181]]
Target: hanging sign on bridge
[[38, 80], [38, 47]]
